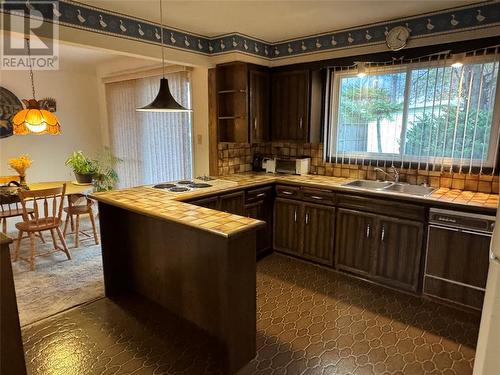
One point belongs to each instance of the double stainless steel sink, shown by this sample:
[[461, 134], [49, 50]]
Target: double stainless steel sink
[[391, 187]]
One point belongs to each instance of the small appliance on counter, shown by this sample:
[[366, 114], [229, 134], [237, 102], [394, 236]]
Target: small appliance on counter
[[257, 163], [269, 165], [298, 166]]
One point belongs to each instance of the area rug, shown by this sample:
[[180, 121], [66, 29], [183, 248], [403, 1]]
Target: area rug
[[57, 283]]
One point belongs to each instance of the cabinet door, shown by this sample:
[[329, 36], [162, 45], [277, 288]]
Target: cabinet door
[[354, 243], [290, 106], [398, 253], [259, 106], [319, 233], [233, 203], [211, 202], [287, 226], [279, 105], [262, 210], [300, 86]]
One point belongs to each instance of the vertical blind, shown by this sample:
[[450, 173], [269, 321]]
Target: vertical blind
[[155, 147], [424, 113]]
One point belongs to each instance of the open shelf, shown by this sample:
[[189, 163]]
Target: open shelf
[[232, 102]]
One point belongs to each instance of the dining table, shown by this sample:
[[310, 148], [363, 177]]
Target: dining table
[[72, 188], [9, 203]]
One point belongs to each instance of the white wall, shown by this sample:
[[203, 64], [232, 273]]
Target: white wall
[[199, 84], [78, 113]]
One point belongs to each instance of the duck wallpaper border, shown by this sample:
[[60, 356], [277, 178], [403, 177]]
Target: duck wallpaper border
[[82, 16]]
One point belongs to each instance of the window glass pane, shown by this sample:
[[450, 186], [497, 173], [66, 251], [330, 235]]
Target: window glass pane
[[435, 114], [370, 113], [450, 113]]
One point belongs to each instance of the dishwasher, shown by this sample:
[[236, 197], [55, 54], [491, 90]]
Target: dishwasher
[[457, 256]]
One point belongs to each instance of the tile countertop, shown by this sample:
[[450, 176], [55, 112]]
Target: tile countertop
[[443, 195], [170, 206]]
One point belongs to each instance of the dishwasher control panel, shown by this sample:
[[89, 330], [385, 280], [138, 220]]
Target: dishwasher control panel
[[462, 220]]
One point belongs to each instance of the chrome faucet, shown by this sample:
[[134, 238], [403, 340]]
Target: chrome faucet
[[394, 171]]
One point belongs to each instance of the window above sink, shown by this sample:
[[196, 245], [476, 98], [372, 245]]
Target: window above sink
[[425, 113]]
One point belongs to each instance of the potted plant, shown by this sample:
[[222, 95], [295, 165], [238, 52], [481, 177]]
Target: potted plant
[[83, 167], [105, 176]]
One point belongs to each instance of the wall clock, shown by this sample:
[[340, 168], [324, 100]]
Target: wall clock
[[9, 105], [397, 37]]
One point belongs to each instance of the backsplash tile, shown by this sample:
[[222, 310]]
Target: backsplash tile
[[234, 158], [237, 157]]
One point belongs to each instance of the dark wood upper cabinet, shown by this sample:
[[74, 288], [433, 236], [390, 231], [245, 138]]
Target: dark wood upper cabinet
[[319, 232], [259, 105], [242, 102], [355, 240], [290, 96], [287, 225], [398, 253]]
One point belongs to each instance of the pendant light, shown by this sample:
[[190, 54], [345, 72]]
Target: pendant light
[[164, 101], [33, 119]]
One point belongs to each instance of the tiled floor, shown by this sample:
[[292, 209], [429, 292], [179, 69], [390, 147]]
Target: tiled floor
[[310, 321]]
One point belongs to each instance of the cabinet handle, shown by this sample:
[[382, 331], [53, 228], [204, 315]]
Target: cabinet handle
[[255, 123], [286, 192], [316, 197], [368, 231], [261, 195], [307, 218], [300, 122], [295, 215], [382, 235]]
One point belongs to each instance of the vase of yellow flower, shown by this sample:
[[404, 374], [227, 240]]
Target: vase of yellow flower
[[20, 165]]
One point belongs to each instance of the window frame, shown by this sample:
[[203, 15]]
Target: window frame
[[331, 133]]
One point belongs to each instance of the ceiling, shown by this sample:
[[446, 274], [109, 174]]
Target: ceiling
[[80, 58], [269, 20]]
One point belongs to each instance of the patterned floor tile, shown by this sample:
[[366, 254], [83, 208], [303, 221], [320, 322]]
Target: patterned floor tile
[[310, 320]]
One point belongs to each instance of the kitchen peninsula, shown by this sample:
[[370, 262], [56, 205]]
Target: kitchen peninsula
[[196, 262]]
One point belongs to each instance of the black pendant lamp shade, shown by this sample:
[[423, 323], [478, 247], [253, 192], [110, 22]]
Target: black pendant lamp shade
[[164, 101]]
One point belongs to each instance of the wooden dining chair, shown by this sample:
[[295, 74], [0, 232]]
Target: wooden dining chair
[[43, 219], [10, 207], [77, 210]]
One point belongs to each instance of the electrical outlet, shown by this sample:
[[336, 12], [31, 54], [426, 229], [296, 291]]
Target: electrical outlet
[[199, 138]]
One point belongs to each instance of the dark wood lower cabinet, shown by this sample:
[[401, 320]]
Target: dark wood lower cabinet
[[210, 202], [233, 203], [398, 254], [355, 241], [304, 229], [319, 231], [287, 225], [262, 210], [381, 248]]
